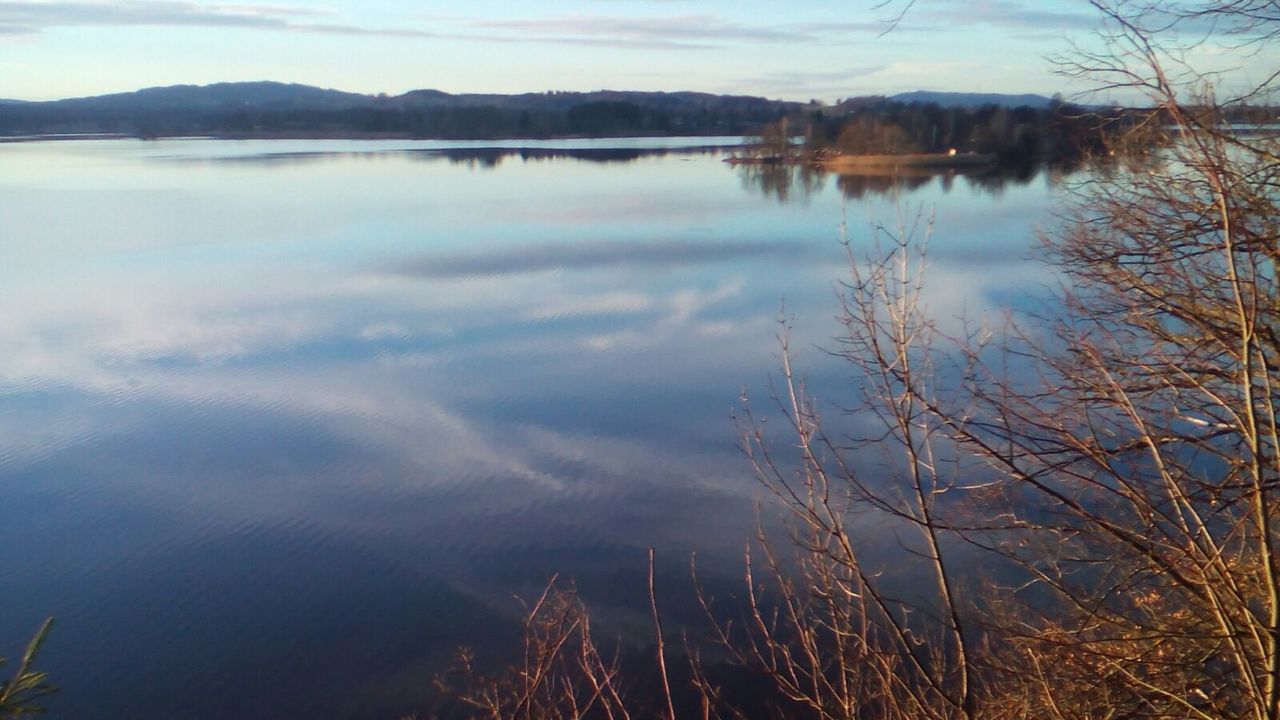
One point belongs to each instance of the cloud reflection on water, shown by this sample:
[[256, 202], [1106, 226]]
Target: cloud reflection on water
[[597, 254], [433, 389]]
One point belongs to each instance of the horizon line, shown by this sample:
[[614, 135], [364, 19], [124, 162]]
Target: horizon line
[[516, 94]]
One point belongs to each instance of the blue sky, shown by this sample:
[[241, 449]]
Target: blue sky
[[794, 50]]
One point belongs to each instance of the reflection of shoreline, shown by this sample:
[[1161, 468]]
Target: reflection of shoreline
[[878, 162], [911, 171], [929, 160], [787, 182], [480, 157], [492, 157], [783, 182], [63, 137]]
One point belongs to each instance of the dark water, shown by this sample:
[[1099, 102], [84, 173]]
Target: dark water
[[282, 423]]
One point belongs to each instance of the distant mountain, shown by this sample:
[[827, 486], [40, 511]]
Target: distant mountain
[[219, 96], [956, 99], [275, 95], [270, 109]]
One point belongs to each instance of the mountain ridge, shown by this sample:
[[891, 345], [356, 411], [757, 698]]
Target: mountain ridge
[[271, 90], [276, 109], [966, 99]]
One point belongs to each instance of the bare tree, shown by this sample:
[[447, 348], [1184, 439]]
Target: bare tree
[[561, 674], [1128, 497], [1115, 463], [1153, 444]]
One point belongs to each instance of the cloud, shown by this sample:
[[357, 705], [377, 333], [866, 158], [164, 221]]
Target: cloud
[[684, 27], [1015, 14], [613, 303], [678, 32], [554, 256], [29, 17], [830, 76], [682, 311], [815, 83], [675, 31]]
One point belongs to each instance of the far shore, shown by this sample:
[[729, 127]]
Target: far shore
[[355, 136], [64, 136]]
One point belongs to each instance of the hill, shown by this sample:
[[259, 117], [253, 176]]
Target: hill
[[270, 109], [219, 96], [957, 99]]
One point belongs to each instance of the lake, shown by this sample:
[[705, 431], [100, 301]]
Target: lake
[[282, 423]]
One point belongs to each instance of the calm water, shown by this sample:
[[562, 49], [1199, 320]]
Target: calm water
[[282, 423]]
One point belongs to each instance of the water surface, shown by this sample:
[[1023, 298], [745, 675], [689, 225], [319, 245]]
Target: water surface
[[284, 422]]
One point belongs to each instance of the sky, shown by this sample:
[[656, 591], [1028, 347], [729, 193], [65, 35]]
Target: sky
[[823, 49]]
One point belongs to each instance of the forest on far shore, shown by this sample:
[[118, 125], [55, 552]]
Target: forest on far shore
[[1044, 129], [1059, 132]]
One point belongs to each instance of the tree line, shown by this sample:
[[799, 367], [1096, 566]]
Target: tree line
[[868, 125], [1061, 131], [429, 118]]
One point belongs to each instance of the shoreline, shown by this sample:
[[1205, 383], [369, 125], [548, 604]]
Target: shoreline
[[67, 137]]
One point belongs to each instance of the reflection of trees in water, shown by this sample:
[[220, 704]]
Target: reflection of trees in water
[[788, 182], [782, 181], [856, 187], [990, 181], [1108, 168], [486, 158], [996, 180], [474, 157]]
